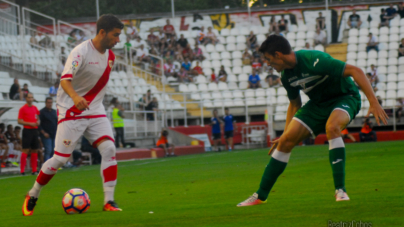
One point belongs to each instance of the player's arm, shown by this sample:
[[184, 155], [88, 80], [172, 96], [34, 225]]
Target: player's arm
[[80, 102], [22, 122], [364, 84], [294, 106]]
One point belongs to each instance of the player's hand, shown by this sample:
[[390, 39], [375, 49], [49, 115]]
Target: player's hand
[[81, 103], [46, 135], [274, 145], [379, 113]]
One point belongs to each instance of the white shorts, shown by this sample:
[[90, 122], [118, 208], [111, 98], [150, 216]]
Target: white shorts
[[69, 133]]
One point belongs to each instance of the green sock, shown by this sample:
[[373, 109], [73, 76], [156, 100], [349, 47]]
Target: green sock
[[337, 161], [271, 174]]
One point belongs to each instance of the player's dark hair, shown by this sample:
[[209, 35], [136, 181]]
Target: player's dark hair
[[227, 108], [108, 22], [17, 127], [48, 98], [275, 43]]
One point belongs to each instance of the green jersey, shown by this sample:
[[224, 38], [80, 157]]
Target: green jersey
[[319, 76]]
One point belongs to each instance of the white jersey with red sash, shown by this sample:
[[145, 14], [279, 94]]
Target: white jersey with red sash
[[88, 71]]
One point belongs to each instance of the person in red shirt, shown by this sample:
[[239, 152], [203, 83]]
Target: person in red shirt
[[213, 77], [29, 117], [3, 146], [169, 30], [256, 64], [163, 143], [197, 70]]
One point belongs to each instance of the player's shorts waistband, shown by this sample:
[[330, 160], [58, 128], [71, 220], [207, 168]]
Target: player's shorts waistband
[[81, 117]]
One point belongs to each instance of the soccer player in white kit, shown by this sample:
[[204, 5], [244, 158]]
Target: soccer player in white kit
[[81, 112]]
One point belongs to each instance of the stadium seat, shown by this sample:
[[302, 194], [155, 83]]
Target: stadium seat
[[260, 92], [353, 32], [206, 64], [400, 76], [237, 55], [261, 38], [241, 46], [362, 55], [382, 62], [237, 62], [392, 77], [400, 86], [227, 94], [260, 101], [282, 100], [371, 62], [363, 39], [392, 61], [391, 94], [231, 78], [249, 93], [384, 38], [196, 96], [225, 55], [247, 69], [372, 54], [319, 48], [222, 86], [243, 85], [391, 86], [383, 46], [217, 95], [401, 68], [382, 54], [352, 40], [238, 94], [392, 69], [291, 36], [226, 63], [270, 92], [310, 35], [300, 43], [201, 79], [363, 32], [231, 47], [392, 54], [382, 69], [238, 102], [243, 77], [215, 56], [393, 38], [219, 47], [361, 63], [225, 32], [230, 39], [232, 86], [237, 70], [202, 87], [393, 46], [210, 48]]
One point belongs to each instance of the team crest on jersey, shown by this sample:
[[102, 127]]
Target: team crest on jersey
[[67, 143], [111, 63]]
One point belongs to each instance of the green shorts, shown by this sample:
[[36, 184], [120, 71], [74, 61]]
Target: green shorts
[[314, 116]]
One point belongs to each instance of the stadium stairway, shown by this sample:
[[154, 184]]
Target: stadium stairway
[[337, 51]]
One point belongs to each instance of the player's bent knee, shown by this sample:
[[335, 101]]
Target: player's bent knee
[[333, 130], [107, 149]]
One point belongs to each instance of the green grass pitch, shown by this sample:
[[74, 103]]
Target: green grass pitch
[[203, 190]]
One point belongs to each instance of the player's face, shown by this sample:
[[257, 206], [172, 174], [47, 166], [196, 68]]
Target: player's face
[[275, 61], [29, 98], [111, 38]]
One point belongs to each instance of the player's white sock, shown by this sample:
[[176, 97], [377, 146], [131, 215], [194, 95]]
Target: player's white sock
[[48, 170], [109, 169]]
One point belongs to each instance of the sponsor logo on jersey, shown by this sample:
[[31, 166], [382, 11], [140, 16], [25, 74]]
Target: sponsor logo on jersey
[[111, 63], [345, 106], [292, 78], [75, 64], [336, 161], [67, 143], [315, 63], [93, 63], [303, 82]]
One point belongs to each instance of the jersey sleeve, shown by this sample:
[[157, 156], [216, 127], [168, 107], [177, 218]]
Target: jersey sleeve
[[324, 64], [72, 65], [293, 92], [20, 113]]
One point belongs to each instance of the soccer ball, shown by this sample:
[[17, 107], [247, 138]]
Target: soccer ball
[[76, 201]]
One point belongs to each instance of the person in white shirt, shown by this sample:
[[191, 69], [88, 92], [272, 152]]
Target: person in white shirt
[[142, 54], [320, 37], [307, 46], [132, 31], [137, 42], [81, 112], [372, 43]]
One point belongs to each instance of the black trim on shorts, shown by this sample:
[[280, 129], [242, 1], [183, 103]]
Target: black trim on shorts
[[30, 138], [228, 134], [216, 136]]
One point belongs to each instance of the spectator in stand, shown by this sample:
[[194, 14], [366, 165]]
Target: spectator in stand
[[346, 135], [252, 40], [152, 105], [142, 102], [400, 10], [307, 46], [178, 53], [187, 52], [61, 65], [367, 134], [372, 43], [46, 42], [213, 77], [163, 143], [197, 70], [216, 123], [15, 92], [246, 57], [148, 96], [211, 37], [320, 21], [391, 11], [25, 91], [10, 135], [273, 26], [131, 31], [72, 40], [197, 53], [137, 42], [169, 30], [319, 37], [201, 37], [354, 20], [152, 39], [257, 65], [371, 81], [373, 73], [118, 123], [54, 89], [29, 117], [272, 79], [3, 146], [283, 24], [128, 44], [170, 69], [17, 132], [95, 153], [187, 64], [384, 19], [401, 48], [256, 53], [47, 128], [222, 74], [161, 34], [32, 40], [184, 76], [229, 128], [399, 108], [81, 37], [142, 54], [182, 41], [254, 80]]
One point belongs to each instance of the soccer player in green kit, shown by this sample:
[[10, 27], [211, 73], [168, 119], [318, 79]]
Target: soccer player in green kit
[[334, 102]]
